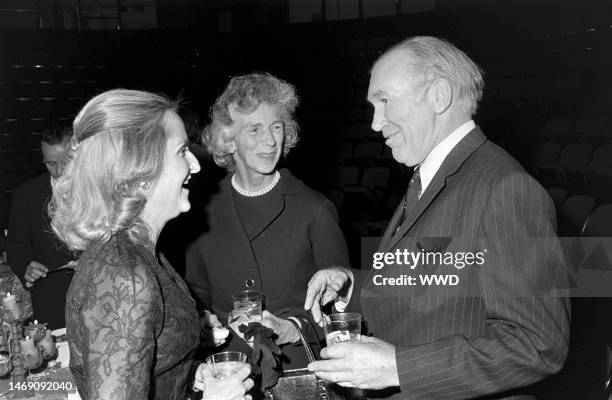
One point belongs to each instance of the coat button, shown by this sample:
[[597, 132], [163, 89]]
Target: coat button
[[249, 283]]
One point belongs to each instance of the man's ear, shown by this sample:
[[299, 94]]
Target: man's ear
[[440, 95]]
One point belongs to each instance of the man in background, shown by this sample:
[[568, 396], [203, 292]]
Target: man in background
[[33, 250]]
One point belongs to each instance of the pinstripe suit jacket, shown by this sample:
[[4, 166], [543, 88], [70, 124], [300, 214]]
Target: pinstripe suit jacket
[[501, 328]]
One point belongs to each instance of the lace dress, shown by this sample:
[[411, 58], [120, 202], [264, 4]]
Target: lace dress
[[132, 325]]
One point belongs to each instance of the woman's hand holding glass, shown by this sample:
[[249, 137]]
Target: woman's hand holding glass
[[235, 319], [247, 308], [231, 388], [285, 330]]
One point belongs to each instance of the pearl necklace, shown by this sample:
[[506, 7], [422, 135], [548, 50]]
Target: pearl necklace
[[259, 192]]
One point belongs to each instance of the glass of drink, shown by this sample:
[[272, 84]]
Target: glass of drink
[[248, 303], [342, 327], [226, 364]]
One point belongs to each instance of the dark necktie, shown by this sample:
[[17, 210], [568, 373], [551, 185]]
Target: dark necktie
[[412, 195]]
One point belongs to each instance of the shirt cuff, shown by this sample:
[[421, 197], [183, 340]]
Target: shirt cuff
[[298, 325], [342, 302]]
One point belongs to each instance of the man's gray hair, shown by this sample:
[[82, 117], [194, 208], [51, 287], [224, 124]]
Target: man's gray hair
[[432, 58]]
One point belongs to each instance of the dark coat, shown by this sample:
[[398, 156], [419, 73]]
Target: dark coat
[[300, 236], [30, 238]]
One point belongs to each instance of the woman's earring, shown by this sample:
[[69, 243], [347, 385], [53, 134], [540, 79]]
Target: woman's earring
[[144, 185], [231, 149]]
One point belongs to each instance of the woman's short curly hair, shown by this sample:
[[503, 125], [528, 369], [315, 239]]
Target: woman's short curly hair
[[244, 94], [116, 153]]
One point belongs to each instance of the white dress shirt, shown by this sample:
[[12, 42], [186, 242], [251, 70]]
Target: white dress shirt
[[433, 161]]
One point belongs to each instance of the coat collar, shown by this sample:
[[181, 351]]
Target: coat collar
[[287, 185], [449, 167]]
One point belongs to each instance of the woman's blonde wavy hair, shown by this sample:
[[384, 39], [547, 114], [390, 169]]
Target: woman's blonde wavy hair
[[245, 93], [116, 153]]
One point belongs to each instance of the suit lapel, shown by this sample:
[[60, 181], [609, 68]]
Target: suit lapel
[[451, 165], [392, 225]]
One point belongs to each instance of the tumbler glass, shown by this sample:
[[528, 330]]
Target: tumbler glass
[[226, 364], [342, 327]]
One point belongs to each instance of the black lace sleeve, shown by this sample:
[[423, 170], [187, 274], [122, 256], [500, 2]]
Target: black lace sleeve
[[120, 311]]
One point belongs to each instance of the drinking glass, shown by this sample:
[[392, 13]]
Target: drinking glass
[[5, 365], [226, 364], [342, 327], [248, 303]]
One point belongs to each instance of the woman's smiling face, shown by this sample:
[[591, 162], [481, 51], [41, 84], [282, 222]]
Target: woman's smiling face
[[169, 196], [258, 140]]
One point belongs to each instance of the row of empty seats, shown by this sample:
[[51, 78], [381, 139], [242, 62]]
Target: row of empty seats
[[583, 157], [577, 168], [592, 128], [528, 72]]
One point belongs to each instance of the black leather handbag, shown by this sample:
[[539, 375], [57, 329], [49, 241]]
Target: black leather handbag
[[301, 384]]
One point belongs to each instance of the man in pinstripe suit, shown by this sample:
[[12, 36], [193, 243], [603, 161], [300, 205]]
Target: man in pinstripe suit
[[501, 327]]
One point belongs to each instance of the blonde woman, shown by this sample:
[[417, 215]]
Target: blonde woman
[[132, 326]]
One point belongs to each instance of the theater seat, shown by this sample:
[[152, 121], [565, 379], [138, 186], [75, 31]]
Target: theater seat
[[573, 215], [557, 195], [346, 175], [599, 174], [337, 197], [599, 223]]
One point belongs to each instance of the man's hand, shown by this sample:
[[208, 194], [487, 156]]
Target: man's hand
[[212, 329], [285, 330], [34, 272], [324, 287], [367, 364], [231, 388]]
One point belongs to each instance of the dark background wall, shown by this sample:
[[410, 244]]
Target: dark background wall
[[546, 65], [548, 97]]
